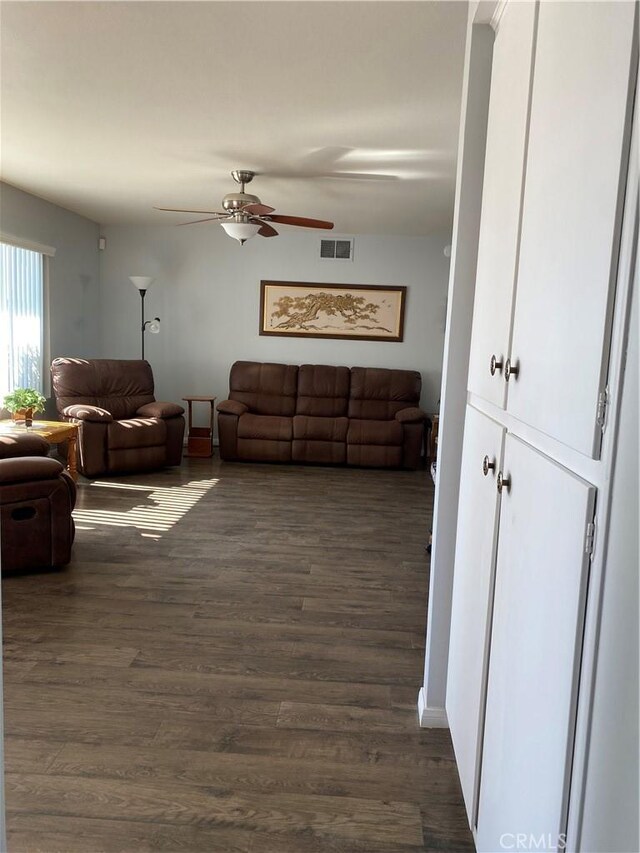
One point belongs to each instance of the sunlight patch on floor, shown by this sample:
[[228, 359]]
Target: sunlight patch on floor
[[164, 507]]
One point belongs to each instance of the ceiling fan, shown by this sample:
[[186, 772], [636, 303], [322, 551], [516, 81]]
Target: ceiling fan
[[244, 215]]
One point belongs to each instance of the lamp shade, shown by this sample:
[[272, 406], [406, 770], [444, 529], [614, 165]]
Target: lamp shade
[[153, 326], [241, 231], [142, 282]]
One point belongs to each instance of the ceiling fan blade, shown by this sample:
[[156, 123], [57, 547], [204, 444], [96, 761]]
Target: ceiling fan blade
[[182, 210], [267, 231], [300, 220], [257, 209], [208, 219]]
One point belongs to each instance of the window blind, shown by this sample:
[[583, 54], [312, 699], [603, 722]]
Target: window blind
[[21, 319]]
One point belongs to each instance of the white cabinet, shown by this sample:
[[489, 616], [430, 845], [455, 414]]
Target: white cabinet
[[563, 77], [501, 199], [576, 165], [473, 591], [555, 175], [540, 587]]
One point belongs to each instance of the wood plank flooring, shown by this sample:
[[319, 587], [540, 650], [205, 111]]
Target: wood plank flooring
[[230, 663]]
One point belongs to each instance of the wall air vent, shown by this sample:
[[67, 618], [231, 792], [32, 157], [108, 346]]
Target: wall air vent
[[340, 249]]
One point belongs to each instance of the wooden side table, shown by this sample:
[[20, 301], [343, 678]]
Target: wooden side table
[[200, 439]]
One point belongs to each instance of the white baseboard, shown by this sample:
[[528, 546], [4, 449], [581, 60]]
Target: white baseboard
[[430, 718]]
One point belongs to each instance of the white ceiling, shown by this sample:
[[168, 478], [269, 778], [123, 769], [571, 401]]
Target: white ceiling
[[110, 108]]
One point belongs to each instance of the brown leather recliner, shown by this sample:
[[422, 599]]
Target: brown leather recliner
[[122, 428], [322, 414], [37, 497]]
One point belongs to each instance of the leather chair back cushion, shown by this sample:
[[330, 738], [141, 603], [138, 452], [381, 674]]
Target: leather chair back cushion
[[323, 391], [120, 386], [267, 389], [378, 393]]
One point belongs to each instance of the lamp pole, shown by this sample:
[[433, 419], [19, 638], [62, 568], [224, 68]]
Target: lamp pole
[[142, 283], [142, 295]]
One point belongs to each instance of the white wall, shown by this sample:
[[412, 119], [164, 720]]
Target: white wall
[[73, 272], [207, 294], [471, 149], [611, 810]]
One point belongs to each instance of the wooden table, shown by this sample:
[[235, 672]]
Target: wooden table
[[200, 439], [55, 432]]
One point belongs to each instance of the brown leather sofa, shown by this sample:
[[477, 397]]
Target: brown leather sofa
[[317, 413], [122, 428], [37, 497]]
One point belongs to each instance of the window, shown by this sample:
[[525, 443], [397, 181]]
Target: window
[[21, 319]]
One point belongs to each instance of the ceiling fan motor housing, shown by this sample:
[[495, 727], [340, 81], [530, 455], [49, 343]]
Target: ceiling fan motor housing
[[236, 201]]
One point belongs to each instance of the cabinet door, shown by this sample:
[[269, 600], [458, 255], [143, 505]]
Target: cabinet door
[[578, 139], [472, 595], [501, 198], [540, 589]]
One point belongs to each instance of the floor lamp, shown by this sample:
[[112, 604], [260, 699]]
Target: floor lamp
[[143, 283]]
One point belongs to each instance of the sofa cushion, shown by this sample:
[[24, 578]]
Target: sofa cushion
[[120, 386], [265, 427], [320, 429], [267, 389], [136, 432], [375, 432], [377, 393], [322, 390]]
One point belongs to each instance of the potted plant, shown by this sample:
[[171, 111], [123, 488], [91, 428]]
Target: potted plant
[[22, 403]]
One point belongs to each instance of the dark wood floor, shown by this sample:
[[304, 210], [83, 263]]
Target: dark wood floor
[[230, 663]]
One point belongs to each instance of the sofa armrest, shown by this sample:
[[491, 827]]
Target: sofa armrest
[[22, 444], [83, 412], [160, 410], [411, 415], [232, 407], [28, 468]]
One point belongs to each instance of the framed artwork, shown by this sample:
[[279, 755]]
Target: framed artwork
[[359, 312]]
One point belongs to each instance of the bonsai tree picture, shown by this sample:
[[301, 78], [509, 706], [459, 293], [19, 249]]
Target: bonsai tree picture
[[23, 402]]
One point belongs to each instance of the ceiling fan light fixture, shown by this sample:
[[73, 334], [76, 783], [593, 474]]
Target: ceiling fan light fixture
[[241, 231]]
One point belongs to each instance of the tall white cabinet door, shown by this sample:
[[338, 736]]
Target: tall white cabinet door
[[540, 589], [578, 138], [472, 594], [501, 198]]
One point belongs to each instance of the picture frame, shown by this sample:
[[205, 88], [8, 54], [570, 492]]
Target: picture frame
[[356, 312]]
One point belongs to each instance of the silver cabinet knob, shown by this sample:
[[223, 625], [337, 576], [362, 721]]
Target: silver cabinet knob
[[495, 365], [503, 482], [487, 465], [511, 370]]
